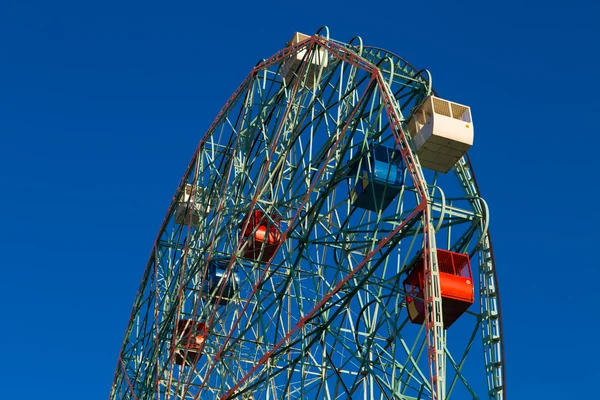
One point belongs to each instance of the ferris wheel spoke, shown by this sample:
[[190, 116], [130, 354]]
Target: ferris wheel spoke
[[318, 310], [458, 367]]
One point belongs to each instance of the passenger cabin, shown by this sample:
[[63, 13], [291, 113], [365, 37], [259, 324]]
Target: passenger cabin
[[442, 132], [262, 234], [315, 62], [380, 179], [187, 211], [456, 284], [189, 342], [219, 286]]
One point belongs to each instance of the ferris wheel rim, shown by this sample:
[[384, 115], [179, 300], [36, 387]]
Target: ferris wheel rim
[[476, 183]]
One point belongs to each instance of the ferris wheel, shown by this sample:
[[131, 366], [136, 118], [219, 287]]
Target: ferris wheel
[[327, 241]]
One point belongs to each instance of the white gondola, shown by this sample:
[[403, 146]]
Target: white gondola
[[317, 61], [442, 132]]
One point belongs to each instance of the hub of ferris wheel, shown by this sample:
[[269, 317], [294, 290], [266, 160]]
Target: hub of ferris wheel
[[326, 241]]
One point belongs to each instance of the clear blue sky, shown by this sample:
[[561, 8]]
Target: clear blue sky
[[102, 105]]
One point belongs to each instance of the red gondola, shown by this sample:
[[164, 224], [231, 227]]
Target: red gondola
[[190, 337], [456, 284], [262, 236]]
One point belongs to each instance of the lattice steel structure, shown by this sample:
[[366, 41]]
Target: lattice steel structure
[[323, 314]]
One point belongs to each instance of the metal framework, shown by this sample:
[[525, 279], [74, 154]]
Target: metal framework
[[325, 317]]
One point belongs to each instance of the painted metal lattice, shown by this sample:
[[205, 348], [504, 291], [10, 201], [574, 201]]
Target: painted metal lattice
[[316, 308]]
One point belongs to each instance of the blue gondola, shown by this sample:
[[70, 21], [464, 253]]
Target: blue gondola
[[217, 278], [380, 179]]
